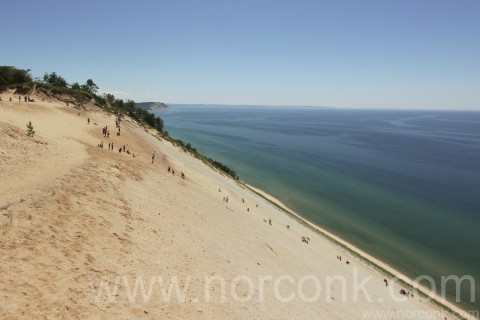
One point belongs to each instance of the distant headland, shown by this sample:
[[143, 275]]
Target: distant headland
[[151, 106]]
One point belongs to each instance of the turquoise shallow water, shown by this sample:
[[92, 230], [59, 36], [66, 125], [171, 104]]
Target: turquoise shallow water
[[401, 185]]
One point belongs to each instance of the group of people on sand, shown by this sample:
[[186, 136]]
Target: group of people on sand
[[106, 132], [127, 151], [124, 148], [340, 258], [110, 145], [117, 125], [170, 170], [269, 221], [403, 292], [225, 199], [26, 98], [305, 240], [248, 209]]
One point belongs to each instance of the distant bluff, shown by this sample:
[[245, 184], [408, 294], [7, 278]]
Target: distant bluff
[[151, 105]]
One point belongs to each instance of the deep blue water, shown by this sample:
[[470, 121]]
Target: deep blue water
[[401, 185]]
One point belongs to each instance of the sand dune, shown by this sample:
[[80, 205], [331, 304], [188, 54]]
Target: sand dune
[[75, 218]]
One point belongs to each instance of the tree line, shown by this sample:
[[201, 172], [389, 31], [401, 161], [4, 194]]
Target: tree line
[[21, 80]]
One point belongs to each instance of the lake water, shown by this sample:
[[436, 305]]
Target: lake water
[[403, 186]]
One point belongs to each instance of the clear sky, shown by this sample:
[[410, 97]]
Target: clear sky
[[358, 53]]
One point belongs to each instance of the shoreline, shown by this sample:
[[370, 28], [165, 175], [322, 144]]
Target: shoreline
[[375, 263], [362, 255]]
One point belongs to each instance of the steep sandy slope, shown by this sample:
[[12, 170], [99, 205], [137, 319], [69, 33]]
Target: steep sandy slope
[[75, 218]]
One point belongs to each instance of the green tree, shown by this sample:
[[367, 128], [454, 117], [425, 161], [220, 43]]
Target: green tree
[[159, 124], [90, 86], [119, 104], [75, 86], [110, 99], [54, 79], [129, 106], [30, 131], [11, 75]]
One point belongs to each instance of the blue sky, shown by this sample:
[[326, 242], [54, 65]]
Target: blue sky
[[359, 53]]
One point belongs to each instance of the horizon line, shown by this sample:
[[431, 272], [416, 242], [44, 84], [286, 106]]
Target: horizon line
[[325, 107]]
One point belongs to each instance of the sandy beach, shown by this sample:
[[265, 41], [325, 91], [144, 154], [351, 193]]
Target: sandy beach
[[82, 226]]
